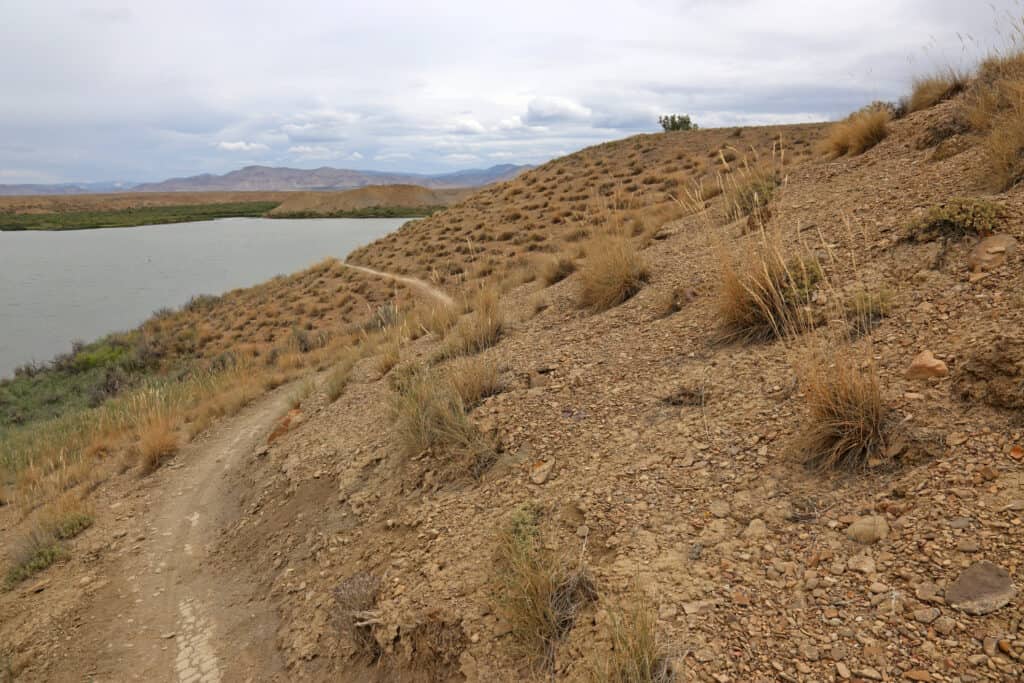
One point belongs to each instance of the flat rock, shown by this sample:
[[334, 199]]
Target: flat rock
[[868, 529], [925, 366], [980, 589], [756, 529], [540, 471], [991, 252]]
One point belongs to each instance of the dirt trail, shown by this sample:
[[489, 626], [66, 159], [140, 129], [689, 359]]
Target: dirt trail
[[174, 610], [418, 285]]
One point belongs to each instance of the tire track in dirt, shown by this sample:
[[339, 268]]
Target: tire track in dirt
[[173, 610], [414, 283]]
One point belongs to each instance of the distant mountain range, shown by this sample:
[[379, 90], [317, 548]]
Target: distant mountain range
[[273, 179]]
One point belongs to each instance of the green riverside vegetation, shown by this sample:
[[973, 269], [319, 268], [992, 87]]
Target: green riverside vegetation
[[121, 218], [367, 212]]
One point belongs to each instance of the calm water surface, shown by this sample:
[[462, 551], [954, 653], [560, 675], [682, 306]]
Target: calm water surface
[[56, 287]]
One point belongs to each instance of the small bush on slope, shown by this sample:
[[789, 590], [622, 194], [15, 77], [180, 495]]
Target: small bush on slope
[[157, 443], [474, 379], [539, 594], [994, 105], [552, 269], [861, 131], [429, 416], [613, 272], [31, 552], [480, 329], [955, 219], [930, 90], [636, 655], [764, 296], [847, 421], [355, 598]]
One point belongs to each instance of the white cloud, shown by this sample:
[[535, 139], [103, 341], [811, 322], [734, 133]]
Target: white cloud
[[242, 146], [371, 79], [469, 126]]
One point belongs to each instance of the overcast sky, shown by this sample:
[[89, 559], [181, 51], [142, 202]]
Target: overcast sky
[[144, 90]]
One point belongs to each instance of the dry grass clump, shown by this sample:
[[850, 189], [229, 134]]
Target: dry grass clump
[[302, 393], [955, 219], [540, 594], [356, 598], [763, 295], [930, 90], [865, 309], [555, 268], [861, 131], [430, 417], [748, 191], [474, 379], [67, 516], [157, 442], [994, 105], [480, 329], [636, 655], [338, 377], [847, 420], [390, 355], [613, 272], [31, 552], [438, 318]]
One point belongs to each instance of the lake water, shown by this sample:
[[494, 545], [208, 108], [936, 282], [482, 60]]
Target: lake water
[[56, 287]]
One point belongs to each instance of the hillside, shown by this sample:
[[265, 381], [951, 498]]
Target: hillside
[[711, 406], [370, 197], [271, 179]]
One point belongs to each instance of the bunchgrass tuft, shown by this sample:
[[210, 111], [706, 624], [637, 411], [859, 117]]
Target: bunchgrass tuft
[[540, 594], [859, 132], [636, 654], [614, 271]]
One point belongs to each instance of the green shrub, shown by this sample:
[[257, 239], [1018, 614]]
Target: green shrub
[[956, 219], [671, 122]]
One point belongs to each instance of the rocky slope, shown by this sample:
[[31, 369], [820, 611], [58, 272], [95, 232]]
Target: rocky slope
[[654, 456]]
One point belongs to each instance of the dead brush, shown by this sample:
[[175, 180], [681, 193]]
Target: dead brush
[[355, 598], [636, 654], [480, 329], [555, 268], [859, 132], [764, 295], [930, 90], [539, 593], [430, 418], [157, 442], [994, 105], [848, 420], [865, 309], [474, 379], [338, 377], [30, 552], [613, 272]]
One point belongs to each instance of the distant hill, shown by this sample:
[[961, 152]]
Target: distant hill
[[65, 188], [268, 178], [275, 179]]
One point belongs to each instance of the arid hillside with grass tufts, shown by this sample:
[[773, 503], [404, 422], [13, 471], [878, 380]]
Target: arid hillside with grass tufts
[[718, 405]]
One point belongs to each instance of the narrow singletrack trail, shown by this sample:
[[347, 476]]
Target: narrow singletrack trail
[[418, 285], [173, 610]]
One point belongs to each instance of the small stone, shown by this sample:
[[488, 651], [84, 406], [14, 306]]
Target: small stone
[[862, 563], [991, 252], [541, 470], [989, 646], [869, 529], [968, 545], [977, 660], [926, 615], [720, 508], [704, 655], [878, 587], [960, 522], [944, 625], [927, 592], [582, 531], [756, 529], [980, 589], [870, 674], [918, 675], [842, 670], [925, 366]]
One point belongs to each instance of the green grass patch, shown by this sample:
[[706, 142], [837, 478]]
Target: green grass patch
[[122, 218], [31, 553], [85, 377], [368, 212]]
